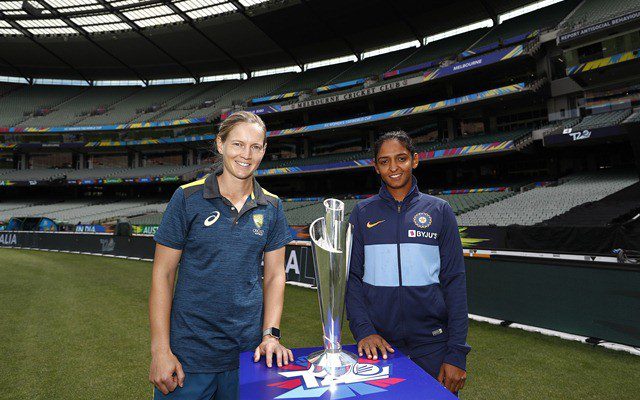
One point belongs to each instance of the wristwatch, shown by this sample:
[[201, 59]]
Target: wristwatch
[[275, 332]]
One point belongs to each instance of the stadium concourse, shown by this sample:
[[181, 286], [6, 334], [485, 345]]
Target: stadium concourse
[[525, 117]]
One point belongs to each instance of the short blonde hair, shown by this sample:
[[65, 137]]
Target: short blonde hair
[[239, 117]]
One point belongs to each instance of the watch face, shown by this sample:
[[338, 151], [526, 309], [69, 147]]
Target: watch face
[[275, 332]]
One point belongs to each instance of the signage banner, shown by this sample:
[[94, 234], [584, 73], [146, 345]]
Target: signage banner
[[145, 229], [599, 27], [282, 96], [90, 229], [135, 125], [408, 70], [108, 143], [571, 136], [437, 105], [495, 45], [113, 181], [341, 85], [603, 62], [367, 162], [476, 62], [469, 64], [352, 95]]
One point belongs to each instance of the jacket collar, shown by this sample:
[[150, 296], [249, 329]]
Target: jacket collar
[[212, 190], [413, 192]]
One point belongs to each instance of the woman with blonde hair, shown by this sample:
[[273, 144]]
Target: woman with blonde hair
[[218, 229]]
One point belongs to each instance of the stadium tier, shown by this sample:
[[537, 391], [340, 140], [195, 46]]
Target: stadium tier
[[99, 173], [634, 117], [85, 211], [480, 105], [607, 211], [314, 78], [543, 203], [449, 47], [96, 106], [373, 66], [601, 120], [547, 17], [20, 104], [590, 12]]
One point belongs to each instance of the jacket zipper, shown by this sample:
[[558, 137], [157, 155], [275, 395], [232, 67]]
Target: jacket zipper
[[400, 270], [398, 245]]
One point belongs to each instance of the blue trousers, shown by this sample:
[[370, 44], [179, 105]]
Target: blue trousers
[[429, 358], [218, 386], [432, 361]]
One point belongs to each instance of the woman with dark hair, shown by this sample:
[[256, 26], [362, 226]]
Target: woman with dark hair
[[406, 285], [219, 229]]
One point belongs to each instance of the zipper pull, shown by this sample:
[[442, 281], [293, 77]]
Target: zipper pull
[[399, 205]]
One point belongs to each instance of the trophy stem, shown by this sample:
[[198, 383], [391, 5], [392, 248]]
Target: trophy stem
[[331, 239]]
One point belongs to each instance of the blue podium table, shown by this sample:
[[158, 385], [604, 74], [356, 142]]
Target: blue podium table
[[395, 378]]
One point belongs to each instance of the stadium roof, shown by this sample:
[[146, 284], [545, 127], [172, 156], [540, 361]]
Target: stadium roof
[[156, 39]]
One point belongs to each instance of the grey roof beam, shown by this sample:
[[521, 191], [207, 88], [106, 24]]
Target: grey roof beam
[[404, 20], [192, 25], [331, 29], [87, 36], [490, 10], [31, 37], [137, 30], [243, 10]]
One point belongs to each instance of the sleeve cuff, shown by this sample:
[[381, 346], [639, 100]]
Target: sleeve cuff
[[278, 245], [168, 243], [457, 357], [363, 330]]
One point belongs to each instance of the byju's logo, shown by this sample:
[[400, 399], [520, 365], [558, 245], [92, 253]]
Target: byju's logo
[[364, 379], [412, 233], [211, 219]]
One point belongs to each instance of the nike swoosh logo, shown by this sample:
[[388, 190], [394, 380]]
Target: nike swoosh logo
[[371, 225], [211, 219]]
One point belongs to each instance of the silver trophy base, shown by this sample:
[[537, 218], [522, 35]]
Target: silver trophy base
[[334, 363]]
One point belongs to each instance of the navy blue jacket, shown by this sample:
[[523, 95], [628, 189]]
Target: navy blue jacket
[[407, 275]]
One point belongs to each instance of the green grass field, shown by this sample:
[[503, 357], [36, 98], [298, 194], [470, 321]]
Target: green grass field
[[75, 327]]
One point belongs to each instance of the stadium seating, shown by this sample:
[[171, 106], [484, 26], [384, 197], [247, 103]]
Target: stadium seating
[[462, 203], [19, 104], [602, 212], [540, 204], [444, 48], [148, 219], [79, 107], [313, 78], [634, 117], [100, 173], [33, 174], [601, 120], [185, 102], [373, 66], [85, 211], [547, 17], [127, 109], [367, 154], [254, 87], [305, 215], [593, 11]]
